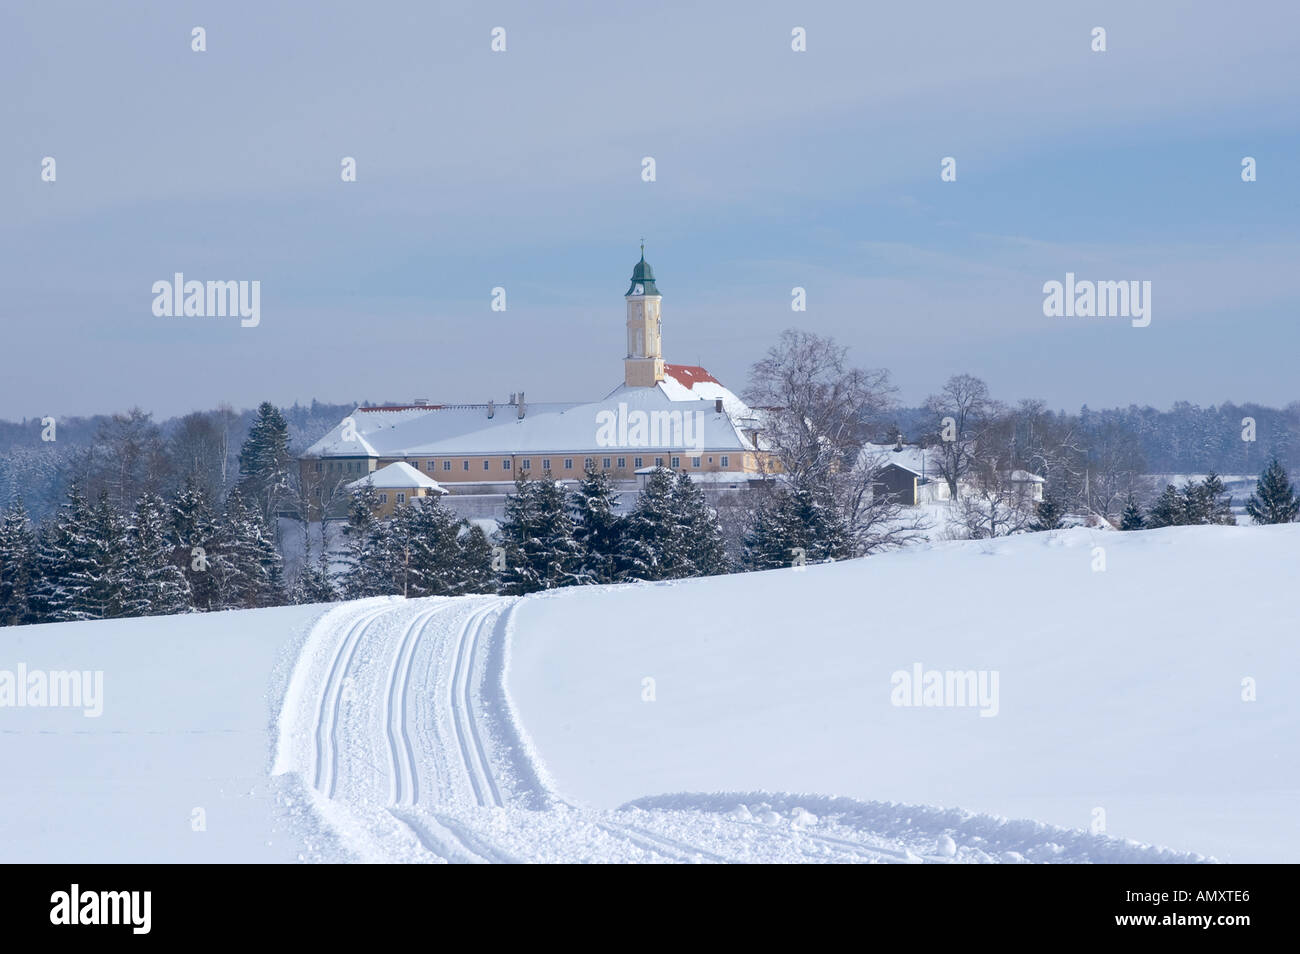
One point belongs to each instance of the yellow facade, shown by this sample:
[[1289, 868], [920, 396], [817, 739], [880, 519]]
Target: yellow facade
[[326, 476], [391, 498], [644, 365], [570, 465]]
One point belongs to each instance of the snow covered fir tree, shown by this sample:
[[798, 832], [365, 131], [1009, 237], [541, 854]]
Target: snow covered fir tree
[[1274, 499]]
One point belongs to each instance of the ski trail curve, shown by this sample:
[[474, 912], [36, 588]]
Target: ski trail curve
[[404, 777], [399, 721], [473, 753], [331, 699]]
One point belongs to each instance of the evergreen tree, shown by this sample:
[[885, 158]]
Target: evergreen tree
[[1195, 505], [193, 533], [315, 582], [388, 558], [224, 568], [1168, 510], [1132, 518], [362, 546], [652, 535], [17, 566], [385, 560], [59, 541], [537, 534], [819, 529], [105, 594], [247, 568], [597, 529], [1216, 504], [423, 549], [765, 545], [475, 558], [1048, 514], [266, 567], [427, 536], [1274, 499], [153, 585], [264, 461], [704, 553], [81, 561], [799, 524]]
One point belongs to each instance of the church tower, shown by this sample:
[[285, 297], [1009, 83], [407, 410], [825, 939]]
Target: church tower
[[644, 365]]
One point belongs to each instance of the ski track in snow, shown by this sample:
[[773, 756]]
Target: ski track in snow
[[415, 755]]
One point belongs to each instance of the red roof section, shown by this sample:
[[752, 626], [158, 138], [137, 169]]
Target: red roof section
[[689, 375]]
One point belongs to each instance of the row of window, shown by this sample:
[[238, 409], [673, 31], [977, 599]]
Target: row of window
[[588, 463], [362, 467], [343, 466]]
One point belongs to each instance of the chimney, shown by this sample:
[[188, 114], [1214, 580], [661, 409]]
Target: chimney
[[513, 398], [521, 405], [492, 407], [899, 445], [717, 405], [420, 402]]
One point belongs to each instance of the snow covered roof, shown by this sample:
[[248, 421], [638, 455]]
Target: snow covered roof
[[916, 460], [689, 375], [1024, 477], [453, 429], [690, 382], [705, 476], [398, 476], [723, 477]]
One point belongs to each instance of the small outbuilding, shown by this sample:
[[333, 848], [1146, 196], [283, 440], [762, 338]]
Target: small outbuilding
[[398, 484], [907, 473]]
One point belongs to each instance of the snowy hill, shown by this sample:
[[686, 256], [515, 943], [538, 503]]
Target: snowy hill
[[1118, 689], [188, 706], [497, 729]]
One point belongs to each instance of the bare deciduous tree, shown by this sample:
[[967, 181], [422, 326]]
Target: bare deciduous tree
[[199, 447], [819, 413], [964, 413], [875, 520], [817, 408], [1113, 470], [127, 459], [993, 502]]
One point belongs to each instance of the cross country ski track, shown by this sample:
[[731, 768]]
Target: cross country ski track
[[398, 722]]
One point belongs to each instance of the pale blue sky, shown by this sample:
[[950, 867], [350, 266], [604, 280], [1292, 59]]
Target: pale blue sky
[[522, 169]]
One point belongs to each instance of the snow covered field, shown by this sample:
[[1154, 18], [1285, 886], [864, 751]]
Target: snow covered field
[[188, 706], [586, 724], [1119, 690]]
